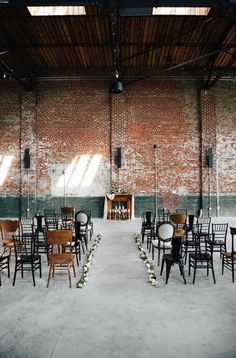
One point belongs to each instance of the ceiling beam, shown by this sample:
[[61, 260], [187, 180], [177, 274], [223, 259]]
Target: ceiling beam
[[212, 59], [174, 67], [121, 3]]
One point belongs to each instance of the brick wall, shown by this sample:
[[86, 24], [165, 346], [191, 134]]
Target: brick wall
[[73, 130]]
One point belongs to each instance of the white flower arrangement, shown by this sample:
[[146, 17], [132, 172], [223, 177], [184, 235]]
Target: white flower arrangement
[[150, 269], [89, 260]]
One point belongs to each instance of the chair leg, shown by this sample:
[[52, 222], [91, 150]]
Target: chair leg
[[33, 276], [74, 269], [68, 269], [8, 267], [185, 253], [162, 266], [195, 269], [181, 268], [168, 267], [213, 273], [49, 274], [14, 278], [40, 267], [152, 252], [158, 257], [232, 269]]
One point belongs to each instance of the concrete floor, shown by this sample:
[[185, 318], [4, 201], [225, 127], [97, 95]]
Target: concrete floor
[[118, 314]]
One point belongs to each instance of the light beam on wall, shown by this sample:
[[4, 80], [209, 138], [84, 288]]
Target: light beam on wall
[[80, 171], [5, 166], [91, 171]]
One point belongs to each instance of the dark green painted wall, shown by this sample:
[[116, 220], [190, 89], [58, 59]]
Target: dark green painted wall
[[14, 207]]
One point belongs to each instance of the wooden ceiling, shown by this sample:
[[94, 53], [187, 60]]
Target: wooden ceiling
[[105, 41]]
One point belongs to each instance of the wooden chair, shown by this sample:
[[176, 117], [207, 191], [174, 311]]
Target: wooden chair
[[180, 221], [4, 264], [229, 257], [8, 229], [60, 252], [67, 216]]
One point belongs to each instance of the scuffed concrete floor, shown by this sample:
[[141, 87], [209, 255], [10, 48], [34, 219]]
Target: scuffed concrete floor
[[118, 314]]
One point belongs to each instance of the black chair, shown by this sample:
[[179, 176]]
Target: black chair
[[4, 264], [205, 223], [82, 217], [175, 257], [90, 222], [148, 222], [26, 258], [79, 240], [229, 257], [163, 214], [218, 237], [161, 241], [51, 219], [189, 244], [39, 231], [202, 257]]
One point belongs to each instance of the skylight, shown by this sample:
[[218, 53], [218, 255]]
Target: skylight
[[200, 11], [56, 10]]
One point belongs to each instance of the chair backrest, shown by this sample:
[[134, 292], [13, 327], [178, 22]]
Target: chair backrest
[[191, 219], [233, 234], [148, 218], [81, 216], [58, 238], [9, 228], [38, 224], [163, 214], [67, 212], [89, 213], [205, 224], [176, 243], [24, 245], [219, 231], [165, 230], [51, 219], [26, 225], [179, 219]]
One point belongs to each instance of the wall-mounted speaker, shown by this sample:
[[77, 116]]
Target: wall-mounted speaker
[[209, 158], [26, 158], [118, 157]]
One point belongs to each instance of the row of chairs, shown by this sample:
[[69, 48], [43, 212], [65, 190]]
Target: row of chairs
[[189, 238], [30, 239]]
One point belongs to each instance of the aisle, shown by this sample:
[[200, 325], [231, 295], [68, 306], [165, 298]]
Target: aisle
[[117, 265], [118, 314]]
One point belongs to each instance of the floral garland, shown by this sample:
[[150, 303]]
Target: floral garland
[[150, 269], [89, 260]]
